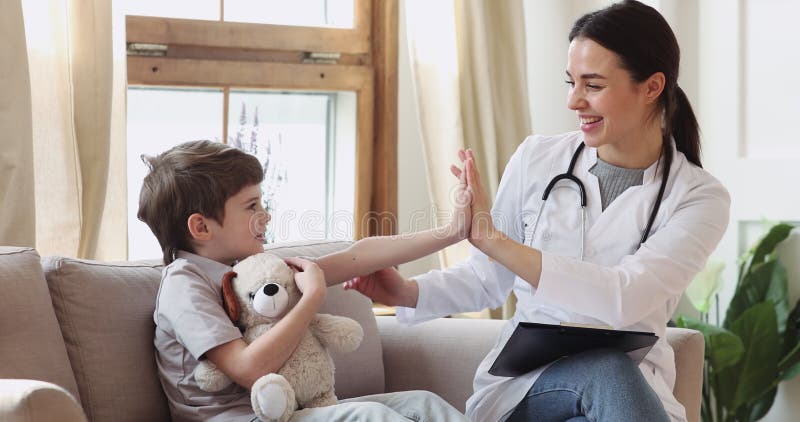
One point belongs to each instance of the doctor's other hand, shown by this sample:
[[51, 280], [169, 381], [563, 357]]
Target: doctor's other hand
[[386, 286]]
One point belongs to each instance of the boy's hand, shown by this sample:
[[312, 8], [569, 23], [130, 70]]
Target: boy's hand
[[386, 286], [309, 277]]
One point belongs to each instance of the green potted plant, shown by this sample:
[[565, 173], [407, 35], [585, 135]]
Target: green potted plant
[[757, 346]]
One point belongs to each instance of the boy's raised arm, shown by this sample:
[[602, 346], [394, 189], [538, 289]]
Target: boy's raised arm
[[374, 253]]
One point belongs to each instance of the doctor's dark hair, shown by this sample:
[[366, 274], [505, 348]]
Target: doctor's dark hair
[[645, 43], [193, 177]]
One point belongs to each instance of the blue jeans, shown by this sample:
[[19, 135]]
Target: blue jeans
[[597, 385]]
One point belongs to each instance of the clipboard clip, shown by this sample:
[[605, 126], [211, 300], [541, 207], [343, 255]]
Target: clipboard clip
[[594, 326]]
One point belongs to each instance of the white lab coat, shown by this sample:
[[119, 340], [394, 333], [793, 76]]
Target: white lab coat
[[616, 284]]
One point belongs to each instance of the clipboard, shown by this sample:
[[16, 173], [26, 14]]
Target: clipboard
[[533, 345]]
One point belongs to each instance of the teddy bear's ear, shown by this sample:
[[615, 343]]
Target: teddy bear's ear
[[229, 297]]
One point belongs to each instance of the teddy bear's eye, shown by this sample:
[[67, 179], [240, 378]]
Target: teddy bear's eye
[[251, 295]]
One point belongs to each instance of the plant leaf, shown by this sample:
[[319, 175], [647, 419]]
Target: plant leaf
[[723, 348], [761, 249], [766, 245], [778, 293], [758, 329], [727, 381], [760, 407], [791, 336], [770, 335], [764, 281], [704, 285]]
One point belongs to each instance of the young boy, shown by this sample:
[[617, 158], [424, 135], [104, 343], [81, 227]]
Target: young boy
[[202, 200]]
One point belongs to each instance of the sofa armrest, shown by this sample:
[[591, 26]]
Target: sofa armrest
[[439, 356], [689, 347], [37, 401]]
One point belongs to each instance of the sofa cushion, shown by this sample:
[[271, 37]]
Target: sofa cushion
[[106, 315], [358, 373], [31, 345]]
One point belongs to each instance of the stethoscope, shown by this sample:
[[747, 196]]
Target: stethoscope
[[582, 191]]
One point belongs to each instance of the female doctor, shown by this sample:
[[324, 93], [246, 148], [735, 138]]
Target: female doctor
[[652, 217]]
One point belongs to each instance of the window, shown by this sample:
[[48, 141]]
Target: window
[[308, 87]]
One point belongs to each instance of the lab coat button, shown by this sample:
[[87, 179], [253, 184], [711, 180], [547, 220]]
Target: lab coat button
[[546, 236]]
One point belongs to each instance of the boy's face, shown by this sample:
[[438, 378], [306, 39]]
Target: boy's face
[[241, 233]]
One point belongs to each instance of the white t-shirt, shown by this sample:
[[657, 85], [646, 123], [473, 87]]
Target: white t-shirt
[[190, 320]]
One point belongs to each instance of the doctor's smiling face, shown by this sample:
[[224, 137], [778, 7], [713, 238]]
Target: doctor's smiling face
[[614, 110]]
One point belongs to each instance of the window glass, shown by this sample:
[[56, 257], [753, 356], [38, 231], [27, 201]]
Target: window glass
[[158, 119], [304, 140], [320, 13], [183, 9], [306, 144]]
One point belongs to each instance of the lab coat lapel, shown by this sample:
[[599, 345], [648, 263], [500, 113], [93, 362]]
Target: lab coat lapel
[[609, 230], [624, 219]]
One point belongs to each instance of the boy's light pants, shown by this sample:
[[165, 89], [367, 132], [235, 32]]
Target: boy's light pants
[[402, 406]]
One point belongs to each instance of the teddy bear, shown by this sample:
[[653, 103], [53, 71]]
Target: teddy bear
[[257, 294]]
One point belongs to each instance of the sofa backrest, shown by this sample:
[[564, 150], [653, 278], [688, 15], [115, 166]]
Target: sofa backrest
[[31, 346], [106, 314]]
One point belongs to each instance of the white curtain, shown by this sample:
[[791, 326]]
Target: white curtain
[[469, 76], [64, 191], [16, 151]]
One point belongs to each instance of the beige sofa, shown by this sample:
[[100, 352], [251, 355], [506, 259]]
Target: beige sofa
[[76, 343]]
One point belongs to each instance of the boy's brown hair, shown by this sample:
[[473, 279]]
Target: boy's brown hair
[[194, 177]]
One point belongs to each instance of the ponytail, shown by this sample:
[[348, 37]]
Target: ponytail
[[683, 126]]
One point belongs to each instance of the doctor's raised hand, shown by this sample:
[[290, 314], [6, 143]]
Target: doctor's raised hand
[[482, 226], [522, 260]]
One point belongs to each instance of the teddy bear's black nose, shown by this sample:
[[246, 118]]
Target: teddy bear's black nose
[[271, 289]]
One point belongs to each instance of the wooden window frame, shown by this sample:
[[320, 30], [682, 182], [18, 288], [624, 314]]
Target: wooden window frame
[[244, 55]]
